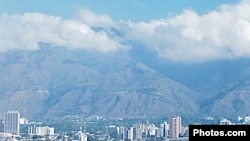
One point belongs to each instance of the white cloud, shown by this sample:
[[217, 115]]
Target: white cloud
[[26, 30], [92, 19], [189, 37]]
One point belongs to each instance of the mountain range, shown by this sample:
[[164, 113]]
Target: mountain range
[[55, 82]]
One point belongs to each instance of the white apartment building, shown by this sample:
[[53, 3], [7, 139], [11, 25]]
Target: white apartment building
[[12, 122], [82, 136], [44, 130]]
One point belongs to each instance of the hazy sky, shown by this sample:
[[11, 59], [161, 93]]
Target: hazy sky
[[178, 30]]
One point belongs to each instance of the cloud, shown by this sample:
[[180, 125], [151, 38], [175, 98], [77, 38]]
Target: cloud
[[27, 30], [189, 37], [92, 19], [223, 33]]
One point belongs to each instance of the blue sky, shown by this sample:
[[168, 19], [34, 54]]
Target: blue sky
[[137, 10], [191, 31]]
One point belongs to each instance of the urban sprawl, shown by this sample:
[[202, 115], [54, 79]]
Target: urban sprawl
[[13, 127]]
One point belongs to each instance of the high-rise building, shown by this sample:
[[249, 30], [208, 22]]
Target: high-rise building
[[131, 133], [82, 136], [11, 122], [165, 127], [138, 128], [1, 125], [175, 127]]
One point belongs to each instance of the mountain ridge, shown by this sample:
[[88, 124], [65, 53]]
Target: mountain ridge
[[56, 83]]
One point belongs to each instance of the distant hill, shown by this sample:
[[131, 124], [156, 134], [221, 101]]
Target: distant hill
[[233, 100], [54, 82]]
